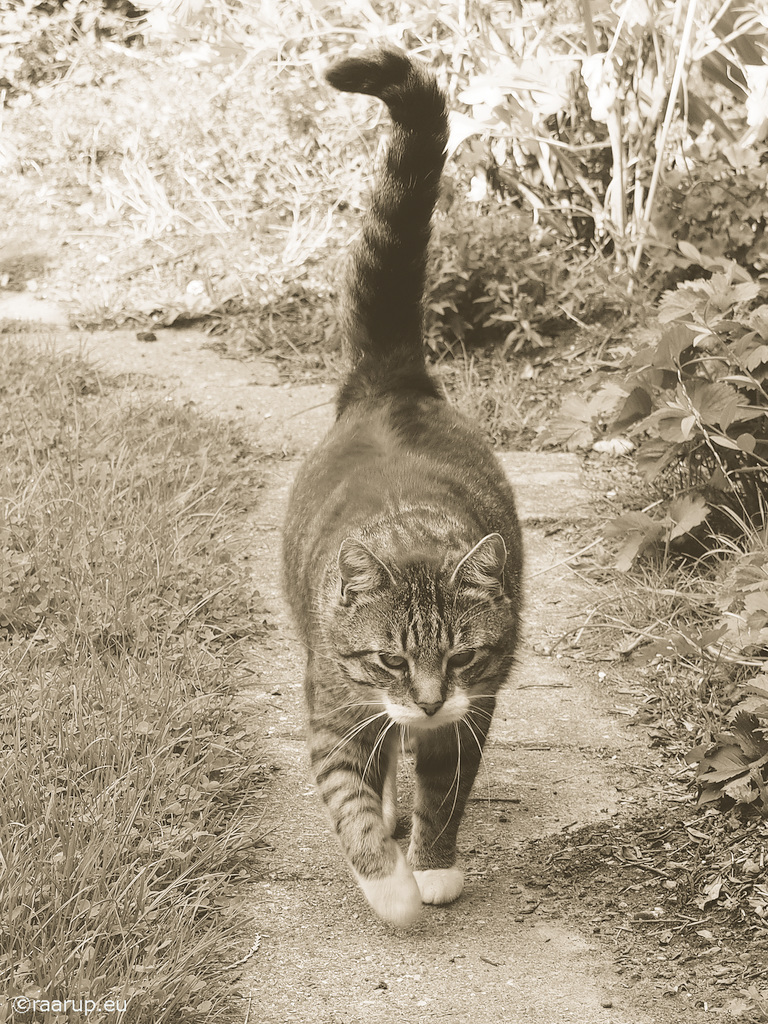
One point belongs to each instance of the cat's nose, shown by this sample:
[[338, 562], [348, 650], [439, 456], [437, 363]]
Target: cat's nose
[[430, 708]]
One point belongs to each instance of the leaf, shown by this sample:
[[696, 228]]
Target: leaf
[[674, 340], [572, 426], [687, 513], [462, 127], [726, 761], [483, 91], [757, 357], [631, 522], [743, 293], [629, 551], [741, 790], [639, 531], [673, 424], [681, 303], [759, 685], [690, 252], [636, 407], [746, 442], [695, 754], [724, 442], [654, 456], [710, 893], [744, 728], [716, 403]]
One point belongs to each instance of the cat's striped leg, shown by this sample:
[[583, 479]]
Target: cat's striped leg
[[356, 781], [447, 761], [389, 794]]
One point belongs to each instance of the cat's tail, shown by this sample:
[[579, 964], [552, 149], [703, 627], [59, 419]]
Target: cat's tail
[[382, 309]]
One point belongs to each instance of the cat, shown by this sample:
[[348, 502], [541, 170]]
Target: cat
[[401, 546]]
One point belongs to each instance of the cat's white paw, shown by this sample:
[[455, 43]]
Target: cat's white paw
[[440, 885], [396, 898]]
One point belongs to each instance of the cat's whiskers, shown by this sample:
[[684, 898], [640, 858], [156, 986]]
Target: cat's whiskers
[[378, 746], [347, 737], [478, 709], [454, 786], [467, 721], [348, 707]]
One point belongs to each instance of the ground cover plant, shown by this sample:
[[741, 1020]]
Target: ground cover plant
[[124, 766], [692, 400], [682, 573]]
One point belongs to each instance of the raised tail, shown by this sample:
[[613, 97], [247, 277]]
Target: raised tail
[[382, 312]]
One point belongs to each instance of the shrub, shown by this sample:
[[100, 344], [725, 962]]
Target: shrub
[[694, 400]]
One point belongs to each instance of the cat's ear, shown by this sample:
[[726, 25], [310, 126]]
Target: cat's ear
[[482, 568], [360, 570]]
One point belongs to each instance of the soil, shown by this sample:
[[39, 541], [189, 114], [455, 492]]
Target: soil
[[566, 914]]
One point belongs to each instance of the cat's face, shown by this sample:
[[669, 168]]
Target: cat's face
[[424, 639]]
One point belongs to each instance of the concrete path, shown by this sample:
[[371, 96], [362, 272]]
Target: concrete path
[[557, 758]]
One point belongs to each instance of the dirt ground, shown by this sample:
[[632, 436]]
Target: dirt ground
[[554, 925]]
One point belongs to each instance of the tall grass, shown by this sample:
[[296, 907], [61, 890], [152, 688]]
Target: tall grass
[[124, 768]]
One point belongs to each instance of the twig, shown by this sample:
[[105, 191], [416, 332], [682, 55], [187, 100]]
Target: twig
[[248, 1011], [238, 963], [662, 141], [565, 561]]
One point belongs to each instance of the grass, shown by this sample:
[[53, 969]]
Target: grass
[[505, 398], [123, 762]]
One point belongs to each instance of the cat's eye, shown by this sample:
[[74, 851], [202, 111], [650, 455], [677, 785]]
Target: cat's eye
[[393, 661], [461, 660]]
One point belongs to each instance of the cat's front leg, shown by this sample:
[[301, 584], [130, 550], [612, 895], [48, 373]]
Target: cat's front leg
[[446, 765], [356, 782]]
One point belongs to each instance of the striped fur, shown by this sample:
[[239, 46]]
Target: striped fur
[[401, 546]]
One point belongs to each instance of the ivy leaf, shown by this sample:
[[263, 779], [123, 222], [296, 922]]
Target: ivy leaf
[[687, 513]]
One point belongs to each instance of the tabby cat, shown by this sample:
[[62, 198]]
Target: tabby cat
[[401, 548]]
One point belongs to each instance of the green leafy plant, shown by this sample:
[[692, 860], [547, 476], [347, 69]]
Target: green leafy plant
[[586, 112], [693, 401], [721, 209], [732, 771], [742, 594], [487, 285]]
